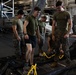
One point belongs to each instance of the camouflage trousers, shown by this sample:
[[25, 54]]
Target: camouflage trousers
[[59, 39], [19, 46], [41, 43]]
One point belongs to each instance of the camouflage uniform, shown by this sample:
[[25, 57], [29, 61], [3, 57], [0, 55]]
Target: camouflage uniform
[[18, 45], [42, 35], [61, 19]]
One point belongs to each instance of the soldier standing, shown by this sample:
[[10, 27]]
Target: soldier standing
[[60, 32]]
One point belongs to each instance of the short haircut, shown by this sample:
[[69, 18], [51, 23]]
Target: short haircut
[[20, 12], [58, 3], [37, 9]]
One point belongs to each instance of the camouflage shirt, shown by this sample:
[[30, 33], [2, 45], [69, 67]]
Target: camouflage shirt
[[41, 27]]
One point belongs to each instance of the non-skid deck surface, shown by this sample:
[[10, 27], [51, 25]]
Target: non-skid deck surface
[[43, 68]]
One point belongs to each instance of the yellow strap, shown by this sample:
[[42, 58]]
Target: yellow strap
[[44, 54], [33, 68], [60, 56]]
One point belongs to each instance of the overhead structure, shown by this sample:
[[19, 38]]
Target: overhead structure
[[41, 4], [6, 9]]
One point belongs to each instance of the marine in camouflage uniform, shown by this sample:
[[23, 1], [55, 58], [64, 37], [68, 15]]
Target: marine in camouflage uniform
[[60, 32], [42, 31], [17, 26]]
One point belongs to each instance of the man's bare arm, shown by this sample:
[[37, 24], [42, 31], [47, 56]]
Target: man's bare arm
[[14, 27], [53, 27], [24, 27], [69, 26]]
